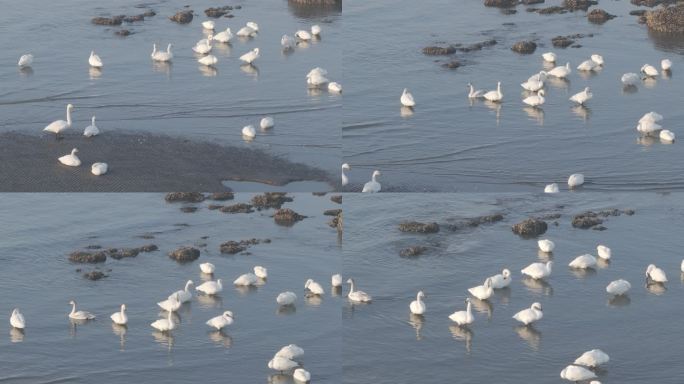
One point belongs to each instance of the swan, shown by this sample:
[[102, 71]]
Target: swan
[[530, 315], [290, 352], [417, 306], [249, 131], [583, 262], [681, 267], [203, 46], [246, 279], [406, 99], [71, 160], [246, 32], [314, 287], [25, 60], [261, 272], [592, 358], [303, 35], [575, 180], [17, 319], [345, 181], [561, 72], [667, 136], [58, 126], [99, 169], [474, 94], [648, 127], [551, 188], [250, 56], [92, 129], [219, 322], [223, 36], [576, 373], [253, 25], [538, 270], [300, 374], [654, 117], [655, 274], [494, 95], [546, 245], [315, 80], [208, 60], [532, 85], [463, 317], [549, 56], [208, 25], [582, 97], [172, 304], [649, 70], [210, 287], [161, 55], [372, 186], [665, 64], [630, 78], [336, 280], [267, 122], [598, 59], [287, 42], [94, 60], [587, 65], [358, 296], [618, 287], [120, 317], [484, 291], [501, 280], [164, 325], [79, 315], [315, 30], [535, 100], [334, 87], [286, 298], [207, 268], [282, 364], [603, 252], [184, 295], [541, 76]]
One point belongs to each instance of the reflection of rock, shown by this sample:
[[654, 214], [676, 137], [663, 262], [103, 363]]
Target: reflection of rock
[[530, 227], [94, 275], [672, 42], [412, 251], [619, 301], [575, 5], [473, 222], [222, 196], [453, 64], [561, 41], [237, 208], [652, 3], [500, 3], [232, 247], [418, 227], [336, 199], [309, 9]]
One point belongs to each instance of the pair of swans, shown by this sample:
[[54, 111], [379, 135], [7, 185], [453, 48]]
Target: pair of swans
[[72, 160], [316, 78], [249, 132], [578, 370], [495, 95]]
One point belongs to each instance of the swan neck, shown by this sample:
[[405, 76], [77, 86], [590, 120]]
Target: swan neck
[[468, 309], [73, 308], [68, 116], [351, 289]]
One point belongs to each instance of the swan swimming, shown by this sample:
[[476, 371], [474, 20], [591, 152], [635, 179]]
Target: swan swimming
[[538, 270], [245, 280], [172, 304], [649, 70], [334, 87], [316, 30], [406, 99], [530, 315], [99, 169], [184, 295], [372, 186], [583, 262], [249, 131], [223, 36], [655, 274], [79, 315], [250, 56], [161, 55], [667, 136], [290, 352], [495, 95], [261, 272], [17, 319], [417, 306], [58, 126], [357, 296], [219, 322], [71, 159], [546, 245], [25, 60], [210, 287], [164, 325], [560, 72], [603, 252], [267, 123], [301, 375], [666, 64], [287, 42], [484, 291], [618, 287], [474, 94], [303, 35], [575, 180], [549, 57], [576, 373], [582, 97], [92, 129], [314, 287], [94, 60], [120, 318], [282, 364], [207, 268], [462, 318], [593, 358], [345, 181], [208, 60], [535, 100], [630, 78], [208, 24], [286, 298], [551, 188], [501, 280]]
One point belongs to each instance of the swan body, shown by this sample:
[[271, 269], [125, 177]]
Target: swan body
[[541, 76], [172, 304], [345, 181], [372, 186], [99, 169], [314, 287], [334, 87], [593, 358], [501, 280], [649, 70], [207, 268], [576, 373], [587, 65], [184, 295], [667, 136], [248, 131], [603, 252], [17, 319], [253, 25], [267, 122], [58, 126], [301, 375], [357, 296], [652, 117], [535, 100], [417, 306], [484, 291], [655, 274], [94, 60], [161, 55], [582, 97], [287, 42], [530, 315], [618, 287], [71, 159], [473, 93], [282, 364], [261, 272], [25, 60], [463, 317], [546, 245], [648, 127], [666, 64], [79, 315], [246, 279], [630, 78], [290, 352], [495, 95], [549, 57], [203, 46], [316, 30], [219, 322], [303, 35], [575, 180], [224, 36], [336, 280], [583, 262], [406, 99], [532, 85], [210, 287], [286, 298], [92, 129], [120, 318], [246, 31], [316, 80], [598, 59], [250, 56], [209, 24], [164, 325], [551, 188], [208, 60], [538, 270], [561, 72]]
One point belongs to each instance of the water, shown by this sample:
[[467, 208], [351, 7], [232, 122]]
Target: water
[[180, 99], [449, 145], [384, 344], [39, 230]]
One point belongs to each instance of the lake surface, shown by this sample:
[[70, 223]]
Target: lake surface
[[39, 231], [447, 144], [384, 344], [181, 99]]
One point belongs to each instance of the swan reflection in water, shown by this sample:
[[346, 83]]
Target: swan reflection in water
[[25, 71], [582, 112], [629, 89], [482, 306], [537, 286], [207, 71], [544, 256], [405, 111], [619, 301], [250, 69], [656, 288], [462, 333], [162, 67], [416, 321], [530, 334], [120, 330], [16, 335], [221, 338], [94, 73], [536, 114]]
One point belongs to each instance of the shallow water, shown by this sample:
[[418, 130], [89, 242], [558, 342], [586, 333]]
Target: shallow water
[[39, 230], [182, 98], [383, 343], [447, 144]]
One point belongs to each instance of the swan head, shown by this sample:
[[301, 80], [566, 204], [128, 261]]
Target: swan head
[[536, 306], [376, 173], [346, 167], [567, 65], [256, 51], [350, 281], [549, 264], [74, 151], [176, 296], [308, 282], [92, 120], [469, 85], [219, 282], [488, 283], [70, 107], [421, 294], [541, 93], [405, 91], [506, 273], [467, 300], [650, 268], [123, 307], [210, 37], [92, 53], [168, 47], [586, 89], [228, 314], [15, 311], [72, 302]]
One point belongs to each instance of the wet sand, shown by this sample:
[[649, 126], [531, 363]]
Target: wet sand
[[138, 162]]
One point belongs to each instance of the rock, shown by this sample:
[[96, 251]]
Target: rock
[[575, 5], [87, 257], [599, 16], [188, 209], [286, 216], [666, 20], [638, 12], [476, 222], [222, 196], [147, 236], [182, 17], [332, 212], [237, 208], [453, 64], [530, 228], [218, 11], [185, 254], [232, 247], [187, 197], [599, 228], [652, 3], [562, 41], [629, 212], [530, 2], [437, 51], [509, 11], [116, 20], [418, 227], [94, 275], [412, 251], [336, 199], [501, 3], [271, 200], [148, 248], [119, 254], [551, 10], [319, 194], [586, 220], [524, 47], [133, 19], [93, 247], [213, 207], [477, 46], [123, 32]]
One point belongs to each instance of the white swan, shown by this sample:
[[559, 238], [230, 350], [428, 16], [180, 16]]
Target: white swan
[[99, 169], [651, 117], [282, 364], [267, 122], [667, 136], [618, 287], [484, 291], [495, 95], [655, 274], [79, 315], [316, 30], [417, 306], [501, 280], [530, 315], [58, 126], [649, 70], [406, 99], [334, 87], [261, 272], [290, 352], [164, 325], [582, 97], [551, 188], [345, 181], [25, 60], [17, 319], [314, 287], [94, 60], [535, 100], [246, 32], [681, 267], [575, 180], [203, 46], [287, 42], [184, 295], [473, 93], [538, 270], [219, 322], [583, 262], [92, 129], [172, 304], [316, 80], [598, 59], [463, 317], [603, 252], [630, 78], [250, 56], [161, 55], [560, 72], [546, 245], [208, 24], [208, 60], [532, 85], [576, 373], [336, 280], [210, 287], [301, 375], [286, 298], [224, 36], [245, 280], [372, 186], [207, 268], [540, 76], [648, 127], [549, 57], [249, 131], [587, 65], [120, 318], [358, 296], [666, 64], [71, 159], [593, 358], [303, 35], [253, 25]]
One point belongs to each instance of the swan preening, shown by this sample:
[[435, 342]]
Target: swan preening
[[220, 322], [372, 186], [313, 287], [549, 57], [94, 60], [287, 42], [345, 179], [172, 304], [533, 85], [246, 280], [667, 136], [161, 55], [336, 280], [79, 315], [282, 364], [494, 95], [71, 159], [473, 93], [316, 30], [267, 122], [248, 131], [462, 318], [223, 36], [17, 319], [417, 306], [538, 270], [316, 78], [530, 315], [575, 180], [546, 245], [301, 375], [261, 272], [356, 295], [303, 35], [58, 126], [630, 78], [208, 24], [406, 99], [618, 287], [583, 262], [286, 298], [25, 60], [648, 123], [666, 64], [334, 87], [603, 252], [592, 358], [655, 274], [120, 318], [92, 129], [207, 268], [649, 70], [560, 72], [576, 373], [203, 46], [250, 56], [184, 295]]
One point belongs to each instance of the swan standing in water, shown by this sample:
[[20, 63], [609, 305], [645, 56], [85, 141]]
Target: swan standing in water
[[71, 159], [99, 169], [261, 272], [551, 188], [250, 56], [314, 287], [484, 291], [25, 60], [208, 60], [164, 325], [172, 304], [94, 60], [210, 287], [246, 280], [501, 280], [575, 180], [219, 322], [161, 55], [630, 78], [315, 30], [535, 100], [473, 93], [224, 36], [357, 296], [249, 131], [655, 274], [495, 95], [79, 315], [582, 97], [185, 295], [120, 318], [417, 306], [286, 298], [58, 126], [538, 270], [593, 358], [583, 262], [576, 373], [334, 87], [618, 287], [372, 186], [406, 99], [92, 129], [603, 252], [667, 136], [546, 245], [530, 315], [287, 42], [549, 57], [345, 179], [267, 122], [666, 64], [462, 318], [17, 319], [207, 268], [649, 70], [561, 72], [301, 375]]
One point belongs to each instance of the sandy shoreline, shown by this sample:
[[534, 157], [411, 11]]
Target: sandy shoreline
[[138, 162]]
